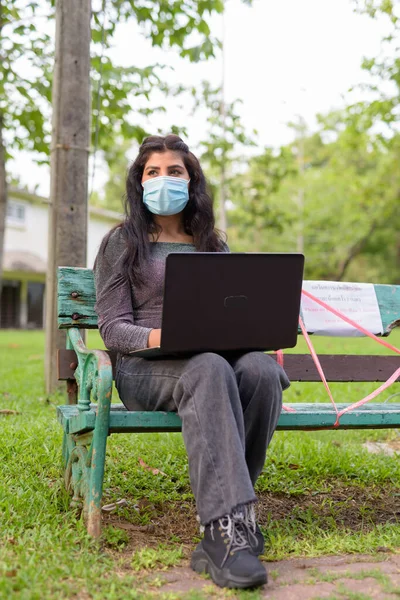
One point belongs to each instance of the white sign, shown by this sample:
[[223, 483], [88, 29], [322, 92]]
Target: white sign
[[356, 300]]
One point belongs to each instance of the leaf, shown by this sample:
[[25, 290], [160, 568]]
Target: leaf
[[152, 470], [7, 411]]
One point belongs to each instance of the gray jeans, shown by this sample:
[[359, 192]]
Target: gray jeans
[[229, 409]]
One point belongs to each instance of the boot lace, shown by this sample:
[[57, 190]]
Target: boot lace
[[236, 529], [251, 524]]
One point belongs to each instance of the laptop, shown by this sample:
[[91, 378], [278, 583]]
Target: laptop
[[228, 303]]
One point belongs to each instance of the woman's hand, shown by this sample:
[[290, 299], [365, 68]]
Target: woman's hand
[[154, 338]]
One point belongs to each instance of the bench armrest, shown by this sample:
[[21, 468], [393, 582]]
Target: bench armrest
[[93, 374]]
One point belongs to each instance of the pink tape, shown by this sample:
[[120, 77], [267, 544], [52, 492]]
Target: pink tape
[[317, 363], [279, 360], [342, 316], [279, 357], [351, 322], [380, 389]]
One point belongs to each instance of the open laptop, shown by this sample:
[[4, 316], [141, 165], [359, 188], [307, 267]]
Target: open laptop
[[229, 302]]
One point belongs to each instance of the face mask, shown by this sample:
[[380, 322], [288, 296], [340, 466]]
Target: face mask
[[166, 195]]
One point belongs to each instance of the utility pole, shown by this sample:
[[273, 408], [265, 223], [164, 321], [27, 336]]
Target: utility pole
[[3, 178], [222, 195], [300, 194], [69, 160], [3, 198]]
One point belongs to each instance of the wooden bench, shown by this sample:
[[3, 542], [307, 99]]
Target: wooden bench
[[89, 376]]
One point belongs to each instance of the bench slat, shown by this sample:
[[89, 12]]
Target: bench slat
[[76, 298], [78, 310], [306, 417], [299, 367]]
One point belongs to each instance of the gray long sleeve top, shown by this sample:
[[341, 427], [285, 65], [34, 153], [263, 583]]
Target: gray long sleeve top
[[126, 313]]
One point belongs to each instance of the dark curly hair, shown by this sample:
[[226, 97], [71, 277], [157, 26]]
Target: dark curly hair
[[198, 215]]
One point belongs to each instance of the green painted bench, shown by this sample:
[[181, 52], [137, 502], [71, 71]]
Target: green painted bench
[[89, 376]]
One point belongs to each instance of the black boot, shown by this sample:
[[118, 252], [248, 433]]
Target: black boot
[[225, 554]]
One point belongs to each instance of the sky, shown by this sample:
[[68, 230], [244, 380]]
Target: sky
[[283, 59]]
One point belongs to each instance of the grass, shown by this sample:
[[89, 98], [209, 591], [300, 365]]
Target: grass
[[321, 492]]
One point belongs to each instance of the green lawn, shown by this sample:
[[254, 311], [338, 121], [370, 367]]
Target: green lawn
[[320, 492]]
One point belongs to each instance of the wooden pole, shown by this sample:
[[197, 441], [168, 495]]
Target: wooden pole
[[3, 179], [222, 194], [69, 160], [3, 201], [300, 195]]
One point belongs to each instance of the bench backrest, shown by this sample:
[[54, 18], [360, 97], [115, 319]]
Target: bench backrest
[[77, 297]]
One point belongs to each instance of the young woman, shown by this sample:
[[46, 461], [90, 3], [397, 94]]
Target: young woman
[[229, 408]]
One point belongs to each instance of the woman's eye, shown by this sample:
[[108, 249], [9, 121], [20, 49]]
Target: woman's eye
[[175, 172], [152, 172]]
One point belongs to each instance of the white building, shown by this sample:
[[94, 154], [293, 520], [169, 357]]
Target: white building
[[25, 256]]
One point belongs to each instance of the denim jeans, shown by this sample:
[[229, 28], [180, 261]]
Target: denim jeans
[[229, 409]]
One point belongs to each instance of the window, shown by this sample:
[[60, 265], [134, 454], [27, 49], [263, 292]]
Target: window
[[16, 212]]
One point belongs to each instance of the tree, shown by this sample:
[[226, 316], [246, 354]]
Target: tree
[[221, 150], [257, 210], [23, 48], [349, 180]]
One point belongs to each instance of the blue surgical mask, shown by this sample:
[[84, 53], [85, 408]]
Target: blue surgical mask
[[166, 195]]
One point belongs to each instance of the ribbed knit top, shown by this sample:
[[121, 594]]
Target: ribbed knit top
[[126, 313]]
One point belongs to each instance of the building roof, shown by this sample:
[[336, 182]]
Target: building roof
[[18, 260]]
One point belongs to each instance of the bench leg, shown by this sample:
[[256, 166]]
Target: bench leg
[[85, 468], [84, 457], [96, 479], [76, 455]]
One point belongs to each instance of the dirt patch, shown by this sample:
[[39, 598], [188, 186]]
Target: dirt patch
[[351, 507]]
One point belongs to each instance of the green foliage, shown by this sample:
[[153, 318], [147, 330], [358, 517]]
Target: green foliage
[[256, 214], [333, 194], [25, 48], [161, 557], [167, 23], [220, 152], [25, 77], [114, 537]]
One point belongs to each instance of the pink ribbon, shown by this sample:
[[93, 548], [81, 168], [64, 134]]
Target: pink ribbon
[[342, 316]]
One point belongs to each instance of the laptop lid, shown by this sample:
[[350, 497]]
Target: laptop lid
[[227, 302]]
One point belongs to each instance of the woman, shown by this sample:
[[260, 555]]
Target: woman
[[229, 408]]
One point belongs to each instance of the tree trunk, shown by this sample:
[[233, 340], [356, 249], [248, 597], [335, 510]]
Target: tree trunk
[[69, 161], [222, 195]]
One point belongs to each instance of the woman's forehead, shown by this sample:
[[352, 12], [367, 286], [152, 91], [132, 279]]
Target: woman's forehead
[[164, 159]]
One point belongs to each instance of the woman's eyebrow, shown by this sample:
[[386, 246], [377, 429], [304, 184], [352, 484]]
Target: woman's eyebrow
[[151, 167], [176, 166]]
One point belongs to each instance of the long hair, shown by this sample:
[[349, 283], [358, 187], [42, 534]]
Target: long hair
[[198, 215]]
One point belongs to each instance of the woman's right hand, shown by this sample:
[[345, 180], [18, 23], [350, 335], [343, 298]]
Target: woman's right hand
[[154, 338]]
